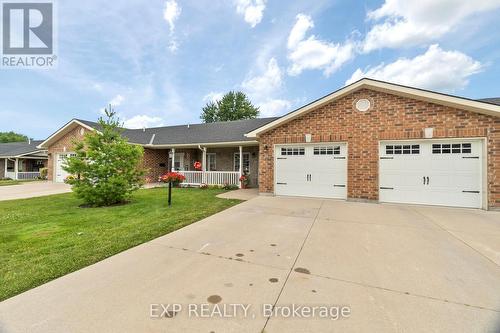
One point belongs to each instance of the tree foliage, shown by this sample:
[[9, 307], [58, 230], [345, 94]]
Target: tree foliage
[[12, 137], [232, 106], [106, 168]]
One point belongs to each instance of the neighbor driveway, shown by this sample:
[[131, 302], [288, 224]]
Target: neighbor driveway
[[397, 268], [32, 189]]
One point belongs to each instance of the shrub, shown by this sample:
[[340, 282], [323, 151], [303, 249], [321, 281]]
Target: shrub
[[230, 187], [106, 168], [203, 186], [44, 173]]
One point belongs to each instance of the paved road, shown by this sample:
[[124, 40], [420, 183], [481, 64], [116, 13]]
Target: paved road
[[395, 268], [32, 189]]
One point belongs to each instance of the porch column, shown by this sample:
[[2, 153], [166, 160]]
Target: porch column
[[5, 173], [204, 159], [173, 160], [241, 165], [16, 168]]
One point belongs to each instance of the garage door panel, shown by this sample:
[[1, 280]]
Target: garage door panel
[[438, 173], [321, 170]]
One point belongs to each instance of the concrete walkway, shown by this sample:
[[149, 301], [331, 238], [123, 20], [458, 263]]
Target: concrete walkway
[[396, 268], [241, 194], [32, 189]]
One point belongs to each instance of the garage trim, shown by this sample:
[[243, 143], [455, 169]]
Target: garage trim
[[484, 161]]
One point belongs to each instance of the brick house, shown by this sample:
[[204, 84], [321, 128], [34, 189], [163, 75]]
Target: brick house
[[218, 146], [22, 160], [371, 140]]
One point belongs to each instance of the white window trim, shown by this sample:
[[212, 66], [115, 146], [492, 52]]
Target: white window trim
[[214, 156], [234, 161]]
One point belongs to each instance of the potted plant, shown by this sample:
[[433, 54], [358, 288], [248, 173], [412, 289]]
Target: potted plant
[[197, 165], [244, 181], [172, 177]]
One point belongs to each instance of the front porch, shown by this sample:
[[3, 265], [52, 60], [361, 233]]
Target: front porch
[[219, 165], [22, 168]]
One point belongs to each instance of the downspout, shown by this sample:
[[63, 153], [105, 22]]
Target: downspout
[[203, 164]]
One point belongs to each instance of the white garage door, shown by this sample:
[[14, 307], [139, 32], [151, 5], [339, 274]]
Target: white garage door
[[447, 173], [60, 173], [311, 170]]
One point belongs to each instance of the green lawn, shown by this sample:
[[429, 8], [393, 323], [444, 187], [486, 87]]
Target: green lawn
[[46, 237]]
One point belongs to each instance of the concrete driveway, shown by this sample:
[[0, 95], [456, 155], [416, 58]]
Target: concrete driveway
[[395, 268], [32, 189]]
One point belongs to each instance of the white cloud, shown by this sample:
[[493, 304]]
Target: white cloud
[[173, 46], [212, 96], [313, 53], [171, 13], [408, 23], [274, 107], [436, 69], [252, 10], [141, 121], [262, 89], [270, 81], [117, 100]]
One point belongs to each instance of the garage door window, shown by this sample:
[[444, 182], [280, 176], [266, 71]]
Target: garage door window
[[289, 151], [402, 149], [330, 150], [451, 148]]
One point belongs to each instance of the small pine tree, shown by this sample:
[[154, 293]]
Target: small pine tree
[[106, 168], [232, 106]]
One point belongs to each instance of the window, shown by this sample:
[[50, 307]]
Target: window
[[10, 165], [211, 162], [451, 148], [330, 150], [402, 149], [289, 151], [246, 162]]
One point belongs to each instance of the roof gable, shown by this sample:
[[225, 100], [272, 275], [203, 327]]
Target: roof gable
[[420, 94]]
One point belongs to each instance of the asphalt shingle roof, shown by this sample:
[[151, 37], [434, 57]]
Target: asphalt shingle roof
[[227, 131], [494, 100], [18, 148]]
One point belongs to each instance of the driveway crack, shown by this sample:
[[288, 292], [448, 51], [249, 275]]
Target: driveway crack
[[406, 293], [456, 237], [293, 264]]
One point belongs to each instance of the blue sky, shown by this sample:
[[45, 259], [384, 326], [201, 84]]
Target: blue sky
[[159, 62]]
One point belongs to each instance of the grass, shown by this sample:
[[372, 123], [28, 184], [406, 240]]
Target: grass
[[47, 237]]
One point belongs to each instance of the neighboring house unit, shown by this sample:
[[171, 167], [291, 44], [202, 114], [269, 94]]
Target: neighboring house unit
[[371, 140], [219, 146], [21, 160]]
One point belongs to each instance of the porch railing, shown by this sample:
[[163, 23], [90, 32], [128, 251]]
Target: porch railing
[[211, 177], [27, 175]]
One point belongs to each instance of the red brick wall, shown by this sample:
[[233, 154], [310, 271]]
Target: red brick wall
[[64, 144], [151, 162], [390, 117]]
